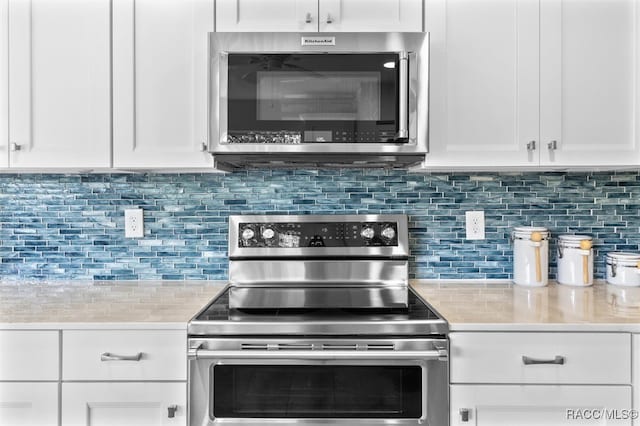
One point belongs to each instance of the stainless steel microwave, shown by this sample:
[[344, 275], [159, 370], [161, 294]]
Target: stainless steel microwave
[[318, 99]]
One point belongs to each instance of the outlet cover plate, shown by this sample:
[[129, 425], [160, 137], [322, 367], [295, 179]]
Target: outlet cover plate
[[133, 223], [474, 222]]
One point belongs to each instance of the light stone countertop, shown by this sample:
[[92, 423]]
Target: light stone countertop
[[467, 306], [106, 304], [476, 306]]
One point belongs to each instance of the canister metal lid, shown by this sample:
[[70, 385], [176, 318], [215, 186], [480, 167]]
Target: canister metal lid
[[567, 240], [524, 232], [622, 258]]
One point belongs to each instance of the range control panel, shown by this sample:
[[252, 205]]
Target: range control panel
[[318, 234]]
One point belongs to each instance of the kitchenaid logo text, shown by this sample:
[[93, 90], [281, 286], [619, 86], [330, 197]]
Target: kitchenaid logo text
[[318, 41], [601, 413]]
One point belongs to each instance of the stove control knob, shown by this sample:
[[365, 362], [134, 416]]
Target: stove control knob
[[367, 233], [389, 233], [247, 234], [268, 233]]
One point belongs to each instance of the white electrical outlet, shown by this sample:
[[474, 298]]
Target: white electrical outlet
[[475, 225], [133, 223]]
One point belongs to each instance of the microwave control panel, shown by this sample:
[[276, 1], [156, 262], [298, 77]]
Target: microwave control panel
[[312, 136]]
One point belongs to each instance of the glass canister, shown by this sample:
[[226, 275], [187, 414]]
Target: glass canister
[[530, 256], [575, 260], [623, 268]]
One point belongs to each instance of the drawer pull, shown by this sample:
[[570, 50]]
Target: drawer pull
[[171, 411], [464, 415], [113, 357], [558, 360]]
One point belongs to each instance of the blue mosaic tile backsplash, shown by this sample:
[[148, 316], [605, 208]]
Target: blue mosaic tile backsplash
[[59, 227]]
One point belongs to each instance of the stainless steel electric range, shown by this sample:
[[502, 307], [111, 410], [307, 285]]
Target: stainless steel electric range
[[318, 326]]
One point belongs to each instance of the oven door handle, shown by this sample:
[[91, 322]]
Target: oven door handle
[[436, 354]]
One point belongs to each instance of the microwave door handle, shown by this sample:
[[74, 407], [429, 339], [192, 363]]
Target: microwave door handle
[[403, 108], [437, 354]]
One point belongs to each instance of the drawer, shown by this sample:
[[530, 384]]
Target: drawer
[[588, 358], [124, 355], [29, 355]]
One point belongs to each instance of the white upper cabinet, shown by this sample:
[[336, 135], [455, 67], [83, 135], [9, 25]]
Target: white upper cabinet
[[319, 15], [4, 85], [483, 82], [589, 82], [160, 100], [59, 83], [518, 83]]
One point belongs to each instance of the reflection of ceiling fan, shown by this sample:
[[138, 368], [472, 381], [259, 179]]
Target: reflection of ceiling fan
[[273, 62]]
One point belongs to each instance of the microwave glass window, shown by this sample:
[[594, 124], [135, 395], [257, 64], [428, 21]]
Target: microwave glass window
[[315, 391], [319, 97]]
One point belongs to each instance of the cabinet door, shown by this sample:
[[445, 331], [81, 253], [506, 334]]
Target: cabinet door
[[370, 15], [28, 404], [531, 405], [160, 83], [59, 85], [484, 83], [636, 374], [590, 84], [4, 86], [272, 15], [123, 404]]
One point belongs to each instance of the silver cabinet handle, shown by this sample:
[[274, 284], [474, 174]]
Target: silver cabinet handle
[[171, 411], [14, 147], [553, 145], [204, 147], [106, 356], [403, 110], [308, 19], [531, 146], [329, 19], [558, 360], [464, 414]]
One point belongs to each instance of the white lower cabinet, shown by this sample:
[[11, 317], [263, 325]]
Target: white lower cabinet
[[536, 379], [124, 404], [535, 405], [28, 404]]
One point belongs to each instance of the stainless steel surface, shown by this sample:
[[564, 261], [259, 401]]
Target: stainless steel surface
[[531, 146], [403, 95], [464, 414], [553, 145], [230, 156], [400, 251], [428, 354], [558, 360], [107, 356], [344, 296]]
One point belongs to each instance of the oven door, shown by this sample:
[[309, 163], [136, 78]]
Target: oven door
[[318, 387]]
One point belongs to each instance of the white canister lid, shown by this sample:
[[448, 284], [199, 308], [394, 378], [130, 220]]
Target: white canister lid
[[572, 241], [524, 232], [622, 258]]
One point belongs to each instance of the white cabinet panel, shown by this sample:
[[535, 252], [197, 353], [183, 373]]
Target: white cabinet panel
[[484, 82], [28, 404], [163, 355], [160, 58], [530, 405], [590, 93], [29, 355], [370, 15], [4, 84], [498, 358], [271, 15], [59, 83], [123, 404]]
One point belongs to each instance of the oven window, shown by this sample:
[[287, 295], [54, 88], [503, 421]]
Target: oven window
[[313, 391], [313, 97]]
